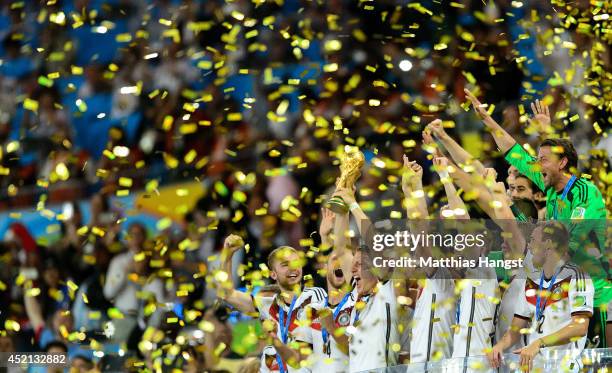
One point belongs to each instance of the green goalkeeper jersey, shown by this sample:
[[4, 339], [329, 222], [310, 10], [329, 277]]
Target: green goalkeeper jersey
[[581, 207]]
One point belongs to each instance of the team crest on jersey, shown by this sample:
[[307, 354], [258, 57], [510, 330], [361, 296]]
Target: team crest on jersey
[[579, 301], [344, 319], [578, 213]]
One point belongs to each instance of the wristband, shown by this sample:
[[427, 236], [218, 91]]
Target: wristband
[[443, 174], [353, 206]]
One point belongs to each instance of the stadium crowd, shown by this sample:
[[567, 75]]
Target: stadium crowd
[[256, 100]]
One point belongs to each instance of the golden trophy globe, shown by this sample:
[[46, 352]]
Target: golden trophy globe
[[350, 170]]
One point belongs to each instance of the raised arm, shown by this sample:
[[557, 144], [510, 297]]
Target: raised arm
[[502, 138], [241, 301], [495, 204], [412, 186], [341, 239], [417, 214], [456, 151], [362, 220], [116, 277], [455, 203], [33, 310], [326, 226]]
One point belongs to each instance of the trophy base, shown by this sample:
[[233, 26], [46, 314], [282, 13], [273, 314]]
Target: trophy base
[[337, 205]]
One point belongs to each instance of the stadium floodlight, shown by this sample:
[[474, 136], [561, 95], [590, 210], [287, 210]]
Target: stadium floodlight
[[405, 65]]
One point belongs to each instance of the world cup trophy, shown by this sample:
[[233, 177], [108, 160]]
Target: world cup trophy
[[350, 170]]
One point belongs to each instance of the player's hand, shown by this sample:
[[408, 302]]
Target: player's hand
[[327, 222], [478, 106], [412, 175], [326, 317], [541, 117], [428, 138], [271, 329], [429, 143], [440, 164], [500, 194], [436, 128], [490, 174], [495, 356], [348, 195], [232, 243], [528, 354]]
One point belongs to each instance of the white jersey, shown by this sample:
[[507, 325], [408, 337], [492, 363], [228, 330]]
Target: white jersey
[[475, 315], [328, 357], [269, 363], [434, 311], [373, 332], [299, 323], [571, 294], [506, 310]]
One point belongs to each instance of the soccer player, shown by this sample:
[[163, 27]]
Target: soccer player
[[495, 202], [477, 287], [375, 326], [290, 334], [574, 200], [431, 327], [520, 186], [330, 345], [557, 300]]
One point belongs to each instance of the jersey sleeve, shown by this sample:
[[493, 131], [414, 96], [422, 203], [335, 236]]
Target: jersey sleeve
[[589, 204], [525, 164], [581, 293], [303, 331], [587, 227], [263, 304], [523, 308]]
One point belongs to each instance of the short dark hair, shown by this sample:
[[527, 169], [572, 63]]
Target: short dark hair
[[569, 152], [56, 343], [557, 232], [138, 225], [86, 360], [529, 182]]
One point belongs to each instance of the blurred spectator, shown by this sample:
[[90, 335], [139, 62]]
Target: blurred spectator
[[127, 276], [81, 364]]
